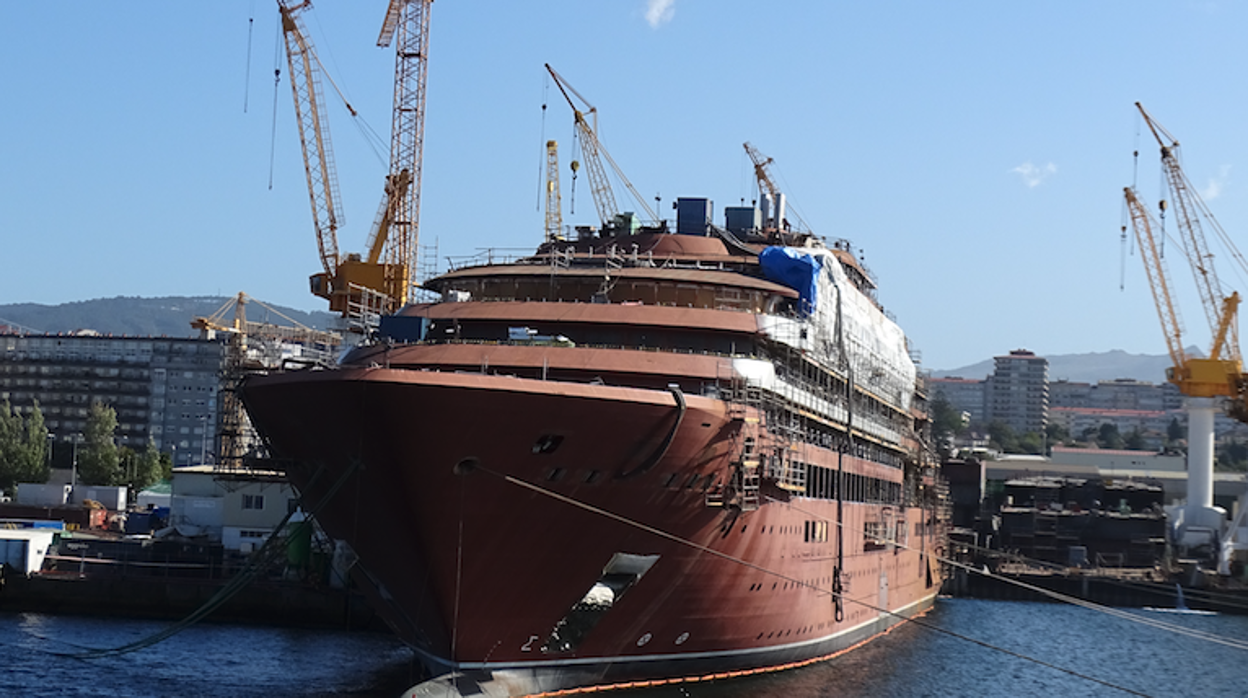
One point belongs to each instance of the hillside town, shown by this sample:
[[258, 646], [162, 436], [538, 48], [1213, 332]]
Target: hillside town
[[1019, 405]]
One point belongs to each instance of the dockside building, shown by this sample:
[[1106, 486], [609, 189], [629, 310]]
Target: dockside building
[[166, 389]]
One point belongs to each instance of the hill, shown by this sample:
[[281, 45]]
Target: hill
[[170, 316], [1087, 368]]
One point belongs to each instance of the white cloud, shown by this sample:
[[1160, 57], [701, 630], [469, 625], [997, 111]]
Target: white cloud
[[1215, 186], [659, 12], [1032, 175]]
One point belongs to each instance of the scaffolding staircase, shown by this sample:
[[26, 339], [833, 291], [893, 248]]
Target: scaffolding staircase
[[744, 407]]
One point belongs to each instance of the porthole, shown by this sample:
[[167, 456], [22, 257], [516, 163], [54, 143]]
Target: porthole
[[644, 639], [680, 639]]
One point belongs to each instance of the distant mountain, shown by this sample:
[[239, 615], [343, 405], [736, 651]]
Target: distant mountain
[[1084, 368], [170, 317]]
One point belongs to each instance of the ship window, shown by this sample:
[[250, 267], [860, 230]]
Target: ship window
[[547, 443], [618, 576], [693, 480], [592, 476], [667, 481], [555, 474]]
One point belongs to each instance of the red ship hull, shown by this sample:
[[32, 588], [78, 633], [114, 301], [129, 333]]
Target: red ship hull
[[483, 508]]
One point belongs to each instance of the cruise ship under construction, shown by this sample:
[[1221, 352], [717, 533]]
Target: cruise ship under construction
[[639, 456]]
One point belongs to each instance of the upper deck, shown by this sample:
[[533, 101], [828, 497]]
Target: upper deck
[[649, 268]]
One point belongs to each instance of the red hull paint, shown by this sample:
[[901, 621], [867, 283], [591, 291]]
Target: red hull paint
[[475, 570]]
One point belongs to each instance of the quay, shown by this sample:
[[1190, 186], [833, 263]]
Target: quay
[[270, 602], [1129, 587]]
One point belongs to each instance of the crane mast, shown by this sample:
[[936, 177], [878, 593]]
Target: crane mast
[[554, 204], [398, 242]]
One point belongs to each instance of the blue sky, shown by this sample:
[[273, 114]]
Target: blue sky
[[975, 151]]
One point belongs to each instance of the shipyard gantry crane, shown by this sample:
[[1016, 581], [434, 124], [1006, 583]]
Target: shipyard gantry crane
[[378, 282], [1210, 382], [593, 152], [252, 346]]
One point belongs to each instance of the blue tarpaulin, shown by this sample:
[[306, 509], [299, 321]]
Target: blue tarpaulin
[[797, 270]]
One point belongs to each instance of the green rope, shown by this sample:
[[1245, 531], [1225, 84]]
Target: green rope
[[258, 562]]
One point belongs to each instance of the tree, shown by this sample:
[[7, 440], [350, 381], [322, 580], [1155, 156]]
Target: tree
[[946, 423], [98, 462], [1174, 432], [1135, 440], [1002, 435], [23, 447], [10, 431], [1233, 455], [1031, 442], [145, 468], [1056, 433], [1108, 436]]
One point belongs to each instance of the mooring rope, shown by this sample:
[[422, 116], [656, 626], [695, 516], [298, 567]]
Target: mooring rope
[[745, 563], [1074, 600], [257, 562]]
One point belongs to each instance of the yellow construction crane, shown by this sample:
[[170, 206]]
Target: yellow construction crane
[[1189, 210], [766, 184], [593, 152], [554, 205], [774, 210], [379, 281], [396, 236], [318, 160], [1208, 384], [1215, 376], [252, 346], [1220, 374]]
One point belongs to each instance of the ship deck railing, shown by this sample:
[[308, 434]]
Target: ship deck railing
[[617, 258], [587, 345]]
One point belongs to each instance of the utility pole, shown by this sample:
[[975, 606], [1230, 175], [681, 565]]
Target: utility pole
[[73, 474]]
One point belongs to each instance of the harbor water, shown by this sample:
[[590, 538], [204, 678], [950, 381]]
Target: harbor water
[[233, 660]]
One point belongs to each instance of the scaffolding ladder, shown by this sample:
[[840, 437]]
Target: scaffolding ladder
[[744, 402]]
